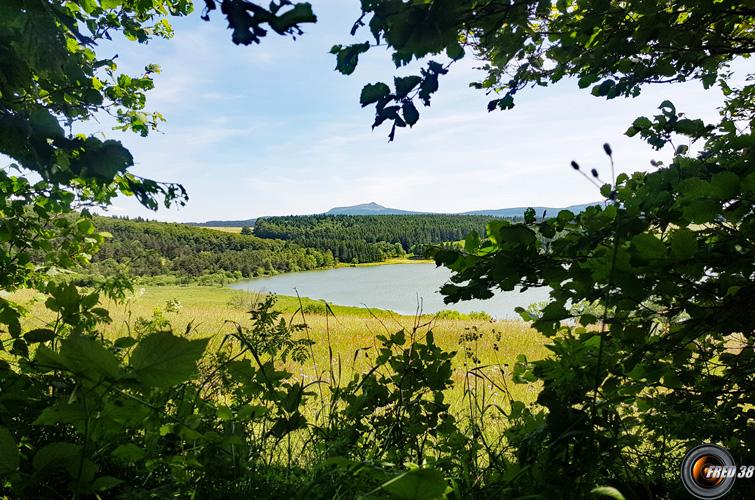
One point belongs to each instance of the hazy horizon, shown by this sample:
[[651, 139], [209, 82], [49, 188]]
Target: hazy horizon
[[259, 216]]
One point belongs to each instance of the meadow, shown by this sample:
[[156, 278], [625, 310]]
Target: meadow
[[349, 333], [225, 229]]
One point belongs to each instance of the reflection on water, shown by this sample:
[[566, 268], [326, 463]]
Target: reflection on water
[[403, 288]]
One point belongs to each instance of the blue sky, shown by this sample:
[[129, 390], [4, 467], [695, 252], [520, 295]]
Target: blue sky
[[272, 129]]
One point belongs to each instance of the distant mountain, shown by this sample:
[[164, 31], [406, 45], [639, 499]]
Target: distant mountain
[[375, 209], [369, 209], [224, 223], [519, 211]]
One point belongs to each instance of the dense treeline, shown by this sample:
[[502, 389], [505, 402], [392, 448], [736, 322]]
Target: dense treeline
[[370, 238], [157, 248]]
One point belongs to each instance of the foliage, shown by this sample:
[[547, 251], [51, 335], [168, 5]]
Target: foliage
[[149, 415], [52, 81], [369, 238], [155, 248], [612, 47], [53, 77], [246, 19], [668, 263]]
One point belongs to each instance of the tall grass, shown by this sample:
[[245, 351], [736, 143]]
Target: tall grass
[[342, 335]]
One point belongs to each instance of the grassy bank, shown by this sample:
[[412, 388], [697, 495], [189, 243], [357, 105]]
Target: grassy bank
[[348, 332], [407, 259], [225, 229]]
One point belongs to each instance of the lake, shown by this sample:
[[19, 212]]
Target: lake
[[399, 287]]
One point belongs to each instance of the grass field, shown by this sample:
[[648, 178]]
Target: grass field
[[352, 330], [407, 259], [225, 229]]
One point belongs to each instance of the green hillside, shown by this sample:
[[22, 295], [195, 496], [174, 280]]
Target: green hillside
[[155, 248]]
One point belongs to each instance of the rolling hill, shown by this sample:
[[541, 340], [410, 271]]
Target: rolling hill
[[519, 211], [373, 208], [224, 223]]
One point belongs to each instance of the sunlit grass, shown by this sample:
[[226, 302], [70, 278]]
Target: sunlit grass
[[407, 259], [225, 229], [350, 331]]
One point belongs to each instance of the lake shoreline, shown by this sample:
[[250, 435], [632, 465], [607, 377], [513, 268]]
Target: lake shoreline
[[387, 262], [405, 289]]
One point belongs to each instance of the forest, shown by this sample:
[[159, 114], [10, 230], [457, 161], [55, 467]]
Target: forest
[[144, 248], [370, 238], [643, 352]]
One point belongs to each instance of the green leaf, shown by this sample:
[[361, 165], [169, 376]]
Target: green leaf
[[39, 335], [517, 235], [224, 413], [530, 216], [506, 102], [55, 454], [300, 13], [102, 161], [604, 89], [418, 484], [608, 491], [111, 4], [20, 348], [48, 359], [725, 185], [668, 108], [455, 51], [405, 84], [163, 360], [472, 242], [411, 115], [89, 6], [9, 457], [642, 123], [129, 453], [45, 124], [648, 246], [347, 58], [105, 483], [87, 356], [62, 412], [10, 317], [701, 211], [373, 92], [683, 244], [124, 342], [85, 226]]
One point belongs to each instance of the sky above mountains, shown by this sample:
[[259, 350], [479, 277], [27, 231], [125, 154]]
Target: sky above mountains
[[273, 129]]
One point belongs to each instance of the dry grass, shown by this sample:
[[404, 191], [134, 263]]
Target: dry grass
[[351, 333], [225, 229]]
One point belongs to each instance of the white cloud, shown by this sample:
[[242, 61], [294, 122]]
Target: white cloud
[[271, 129]]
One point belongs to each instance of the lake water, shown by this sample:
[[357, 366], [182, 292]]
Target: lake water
[[398, 287]]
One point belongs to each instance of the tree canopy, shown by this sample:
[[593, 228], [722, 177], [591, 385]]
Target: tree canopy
[[370, 238], [615, 48], [54, 79]]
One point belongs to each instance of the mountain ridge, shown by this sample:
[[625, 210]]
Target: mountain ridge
[[370, 208], [373, 208]]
